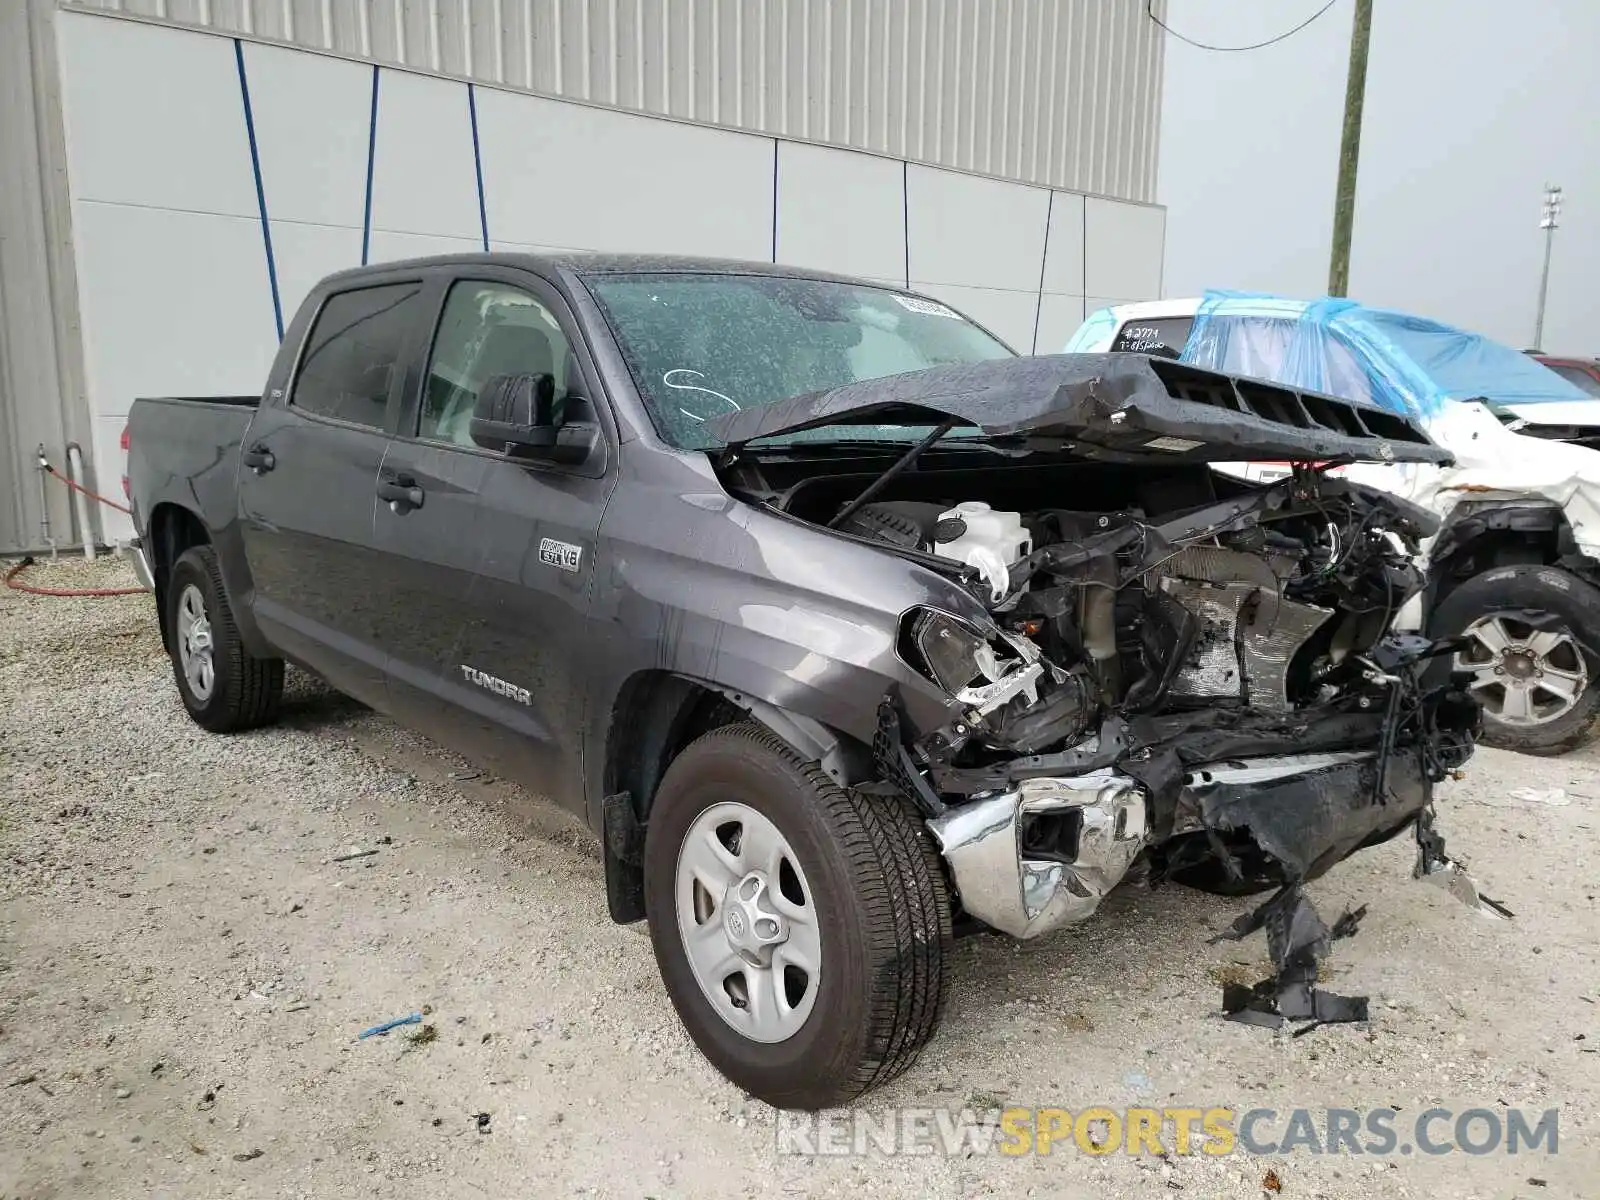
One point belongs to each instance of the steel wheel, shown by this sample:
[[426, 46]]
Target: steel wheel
[[1523, 675], [749, 929], [195, 645]]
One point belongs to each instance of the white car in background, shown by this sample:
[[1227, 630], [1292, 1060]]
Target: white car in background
[[1516, 563]]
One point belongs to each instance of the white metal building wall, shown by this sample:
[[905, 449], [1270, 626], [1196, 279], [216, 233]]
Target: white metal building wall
[[1058, 92], [178, 197]]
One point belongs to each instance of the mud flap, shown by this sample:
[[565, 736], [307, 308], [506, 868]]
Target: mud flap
[[624, 854]]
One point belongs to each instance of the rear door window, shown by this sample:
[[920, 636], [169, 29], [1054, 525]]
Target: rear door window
[[354, 353], [1163, 336]]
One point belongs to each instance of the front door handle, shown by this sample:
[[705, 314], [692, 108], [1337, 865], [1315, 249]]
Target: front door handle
[[401, 492], [259, 459]]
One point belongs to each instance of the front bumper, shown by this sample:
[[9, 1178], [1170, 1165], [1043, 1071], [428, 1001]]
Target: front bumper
[[1304, 812], [1025, 895]]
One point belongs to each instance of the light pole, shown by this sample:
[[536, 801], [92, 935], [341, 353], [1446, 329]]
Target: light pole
[[1547, 222]]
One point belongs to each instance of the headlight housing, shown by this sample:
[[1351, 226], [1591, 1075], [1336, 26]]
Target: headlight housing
[[946, 650]]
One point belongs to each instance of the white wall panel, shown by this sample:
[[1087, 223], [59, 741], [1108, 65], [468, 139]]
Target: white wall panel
[[561, 175], [1058, 92], [311, 116], [840, 211], [1122, 249], [1006, 314], [305, 253], [154, 117], [1059, 318], [387, 246], [174, 303], [970, 230], [1063, 267], [423, 178]]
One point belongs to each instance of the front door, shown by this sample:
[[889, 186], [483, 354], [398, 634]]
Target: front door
[[491, 573], [307, 488]]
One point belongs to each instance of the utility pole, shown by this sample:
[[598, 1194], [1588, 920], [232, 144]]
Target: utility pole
[[1547, 222], [1344, 200]]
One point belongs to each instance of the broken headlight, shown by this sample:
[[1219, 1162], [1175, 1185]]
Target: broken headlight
[[944, 649]]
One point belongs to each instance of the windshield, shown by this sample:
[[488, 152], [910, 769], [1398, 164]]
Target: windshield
[[1280, 349], [703, 345]]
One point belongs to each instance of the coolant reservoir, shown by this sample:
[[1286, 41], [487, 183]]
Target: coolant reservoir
[[975, 534]]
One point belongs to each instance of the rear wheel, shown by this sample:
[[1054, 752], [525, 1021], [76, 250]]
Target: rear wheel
[[1526, 628], [223, 687], [801, 928]]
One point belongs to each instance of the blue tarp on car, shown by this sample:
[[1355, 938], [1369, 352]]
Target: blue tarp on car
[[1399, 362]]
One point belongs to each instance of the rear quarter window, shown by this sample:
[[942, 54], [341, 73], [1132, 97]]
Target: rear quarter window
[[353, 351], [1164, 336]]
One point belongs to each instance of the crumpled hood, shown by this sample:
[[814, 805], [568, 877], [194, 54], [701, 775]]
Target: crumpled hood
[[1114, 406]]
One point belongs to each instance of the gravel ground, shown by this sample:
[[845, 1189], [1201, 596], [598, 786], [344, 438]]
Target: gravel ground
[[184, 968]]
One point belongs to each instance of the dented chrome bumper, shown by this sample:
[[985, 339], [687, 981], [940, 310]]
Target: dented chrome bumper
[[1009, 880]]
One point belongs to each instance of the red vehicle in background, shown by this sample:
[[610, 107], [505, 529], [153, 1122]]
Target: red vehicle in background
[[1581, 372]]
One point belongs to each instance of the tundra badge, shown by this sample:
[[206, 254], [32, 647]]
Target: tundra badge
[[498, 686], [560, 554]]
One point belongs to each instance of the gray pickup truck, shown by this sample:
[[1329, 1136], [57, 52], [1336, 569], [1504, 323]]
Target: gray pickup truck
[[846, 628]]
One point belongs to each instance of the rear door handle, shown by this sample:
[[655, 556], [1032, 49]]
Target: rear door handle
[[401, 492], [259, 459]]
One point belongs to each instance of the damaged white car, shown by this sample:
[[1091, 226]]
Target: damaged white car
[[1516, 564]]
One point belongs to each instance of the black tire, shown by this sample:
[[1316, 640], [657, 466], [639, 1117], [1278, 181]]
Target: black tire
[[246, 691], [1528, 590], [882, 908]]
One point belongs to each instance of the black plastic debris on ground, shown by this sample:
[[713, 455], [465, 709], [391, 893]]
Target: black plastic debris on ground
[[1297, 940]]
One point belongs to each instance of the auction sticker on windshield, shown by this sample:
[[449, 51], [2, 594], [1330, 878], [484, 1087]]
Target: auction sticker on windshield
[[928, 308]]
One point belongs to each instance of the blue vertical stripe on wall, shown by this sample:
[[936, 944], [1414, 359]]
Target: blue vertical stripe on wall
[[774, 199], [1044, 258], [261, 191], [905, 215], [477, 164], [372, 158]]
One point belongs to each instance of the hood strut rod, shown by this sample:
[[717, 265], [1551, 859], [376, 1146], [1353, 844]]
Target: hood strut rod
[[898, 468]]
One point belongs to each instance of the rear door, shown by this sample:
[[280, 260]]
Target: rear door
[[307, 485], [489, 577]]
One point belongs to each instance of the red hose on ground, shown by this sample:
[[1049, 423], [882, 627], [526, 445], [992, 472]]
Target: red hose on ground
[[12, 582], [10, 578]]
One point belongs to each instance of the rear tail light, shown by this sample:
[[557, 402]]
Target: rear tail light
[[127, 492]]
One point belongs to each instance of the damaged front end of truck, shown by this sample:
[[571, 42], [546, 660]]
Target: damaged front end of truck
[[1196, 680]]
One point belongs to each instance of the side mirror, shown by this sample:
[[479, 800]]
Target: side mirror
[[517, 416]]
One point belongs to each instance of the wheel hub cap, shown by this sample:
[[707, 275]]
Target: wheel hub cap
[[753, 925], [1523, 674], [748, 922], [195, 645]]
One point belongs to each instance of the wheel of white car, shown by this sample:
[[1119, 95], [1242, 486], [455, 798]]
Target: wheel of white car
[[1526, 629], [801, 928], [224, 688]]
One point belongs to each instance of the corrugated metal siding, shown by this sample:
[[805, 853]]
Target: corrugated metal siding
[[1058, 92], [42, 396]]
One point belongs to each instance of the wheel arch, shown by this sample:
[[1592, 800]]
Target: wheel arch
[[172, 529], [1479, 535], [654, 716]]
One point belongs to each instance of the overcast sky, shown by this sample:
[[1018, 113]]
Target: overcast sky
[[1472, 105]]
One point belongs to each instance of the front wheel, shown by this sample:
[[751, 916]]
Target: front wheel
[[1526, 628], [801, 928]]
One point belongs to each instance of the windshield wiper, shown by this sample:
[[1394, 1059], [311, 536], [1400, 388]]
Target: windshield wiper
[[895, 469]]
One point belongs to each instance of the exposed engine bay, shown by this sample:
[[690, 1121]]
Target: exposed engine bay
[[1199, 677], [1162, 667]]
